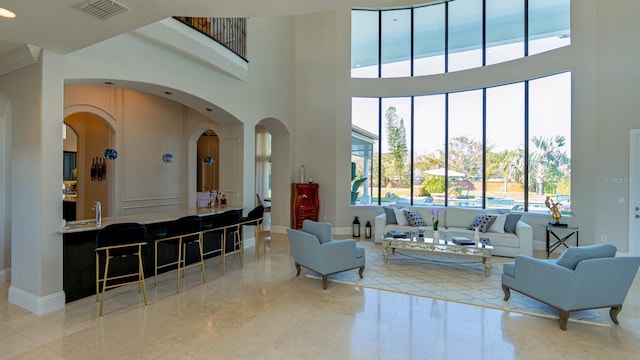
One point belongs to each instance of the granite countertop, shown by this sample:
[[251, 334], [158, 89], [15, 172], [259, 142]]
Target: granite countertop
[[144, 219]]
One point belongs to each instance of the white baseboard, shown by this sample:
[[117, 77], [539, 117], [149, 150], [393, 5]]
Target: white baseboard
[[540, 245], [250, 242], [36, 304], [278, 229], [5, 275]]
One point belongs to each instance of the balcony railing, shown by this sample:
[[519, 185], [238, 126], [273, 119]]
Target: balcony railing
[[229, 32]]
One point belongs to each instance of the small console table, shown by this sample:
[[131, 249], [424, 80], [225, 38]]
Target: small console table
[[561, 235]]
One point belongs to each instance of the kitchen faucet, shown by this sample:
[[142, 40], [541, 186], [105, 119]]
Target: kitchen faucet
[[98, 208]]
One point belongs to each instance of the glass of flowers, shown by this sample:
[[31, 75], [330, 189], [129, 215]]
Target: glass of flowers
[[435, 217]]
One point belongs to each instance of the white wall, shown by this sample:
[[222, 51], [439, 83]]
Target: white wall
[[268, 91], [309, 91], [604, 108], [617, 110], [35, 94], [5, 189]]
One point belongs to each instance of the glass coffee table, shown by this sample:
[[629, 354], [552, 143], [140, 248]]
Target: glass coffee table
[[441, 247]]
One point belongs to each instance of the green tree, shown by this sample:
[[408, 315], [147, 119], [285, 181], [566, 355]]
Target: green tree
[[507, 165], [397, 142], [548, 162], [430, 161], [465, 156]]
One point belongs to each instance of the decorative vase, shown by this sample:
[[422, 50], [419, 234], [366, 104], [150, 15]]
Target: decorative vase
[[436, 236]]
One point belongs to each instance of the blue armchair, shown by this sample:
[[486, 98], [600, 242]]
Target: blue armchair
[[587, 277], [314, 249]]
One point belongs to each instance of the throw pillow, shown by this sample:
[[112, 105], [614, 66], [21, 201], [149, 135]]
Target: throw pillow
[[482, 222], [414, 218], [400, 218], [322, 230], [498, 225], [572, 256], [511, 222], [391, 215]]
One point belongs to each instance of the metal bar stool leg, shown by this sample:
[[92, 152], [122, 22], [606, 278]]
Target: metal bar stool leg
[[200, 240], [141, 276], [155, 264], [97, 277], [224, 251], [104, 280], [179, 262]]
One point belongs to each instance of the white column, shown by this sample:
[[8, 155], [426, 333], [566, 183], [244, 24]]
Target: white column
[[36, 211]]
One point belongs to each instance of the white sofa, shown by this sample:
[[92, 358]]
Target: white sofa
[[455, 222]]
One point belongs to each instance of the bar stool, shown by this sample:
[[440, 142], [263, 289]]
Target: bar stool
[[119, 241], [255, 218], [180, 233], [215, 233]]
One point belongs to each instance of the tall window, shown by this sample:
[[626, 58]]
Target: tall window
[[549, 25], [396, 43], [428, 40], [263, 162], [468, 148], [429, 147], [365, 155], [505, 137], [455, 35], [364, 44], [549, 157], [505, 30], [465, 149], [465, 34]]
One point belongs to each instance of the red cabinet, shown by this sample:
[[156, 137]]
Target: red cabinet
[[304, 204]]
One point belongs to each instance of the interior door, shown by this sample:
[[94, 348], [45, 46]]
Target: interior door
[[634, 193]]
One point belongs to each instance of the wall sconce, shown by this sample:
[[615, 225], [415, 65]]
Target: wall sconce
[[110, 154], [167, 158]]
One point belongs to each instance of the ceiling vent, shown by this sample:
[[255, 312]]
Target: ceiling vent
[[102, 9]]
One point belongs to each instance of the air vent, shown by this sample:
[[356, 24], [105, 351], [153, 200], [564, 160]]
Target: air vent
[[102, 9]]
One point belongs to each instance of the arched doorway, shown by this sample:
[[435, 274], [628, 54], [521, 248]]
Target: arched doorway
[[207, 166], [273, 149], [69, 173], [94, 135], [263, 171]]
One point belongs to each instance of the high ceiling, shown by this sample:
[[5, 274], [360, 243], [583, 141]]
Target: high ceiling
[[59, 26]]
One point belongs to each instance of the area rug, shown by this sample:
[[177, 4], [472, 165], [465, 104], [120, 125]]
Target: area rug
[[448, 278]]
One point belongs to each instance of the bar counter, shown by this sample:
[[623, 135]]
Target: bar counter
[[79, 242], [144, 219]]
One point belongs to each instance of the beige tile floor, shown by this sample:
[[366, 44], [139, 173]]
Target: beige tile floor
[[263, 311]]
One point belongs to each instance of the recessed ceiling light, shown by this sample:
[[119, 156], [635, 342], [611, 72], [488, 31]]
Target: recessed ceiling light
[[5, 13]]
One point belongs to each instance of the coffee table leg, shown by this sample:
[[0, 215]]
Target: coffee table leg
[[486, 261], [385, 253]]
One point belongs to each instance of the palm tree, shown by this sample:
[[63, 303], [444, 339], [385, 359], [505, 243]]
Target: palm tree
[[547, 160], [506, 164]]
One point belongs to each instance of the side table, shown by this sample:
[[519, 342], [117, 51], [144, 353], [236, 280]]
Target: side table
[[565, 231]]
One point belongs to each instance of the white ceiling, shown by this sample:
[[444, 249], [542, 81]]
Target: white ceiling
[[58, 26]]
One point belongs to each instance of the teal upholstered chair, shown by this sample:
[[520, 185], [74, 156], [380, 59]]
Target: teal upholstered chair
[[587, 277], [314, 249]]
